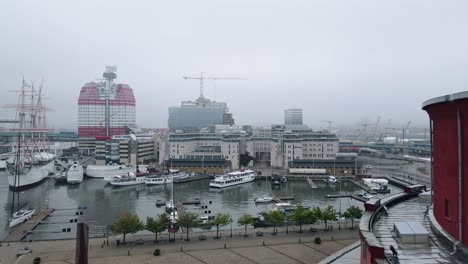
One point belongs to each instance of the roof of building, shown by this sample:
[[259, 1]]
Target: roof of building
[[446, 98]]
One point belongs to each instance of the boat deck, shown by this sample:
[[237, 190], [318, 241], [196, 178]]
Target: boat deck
[[18, 233]]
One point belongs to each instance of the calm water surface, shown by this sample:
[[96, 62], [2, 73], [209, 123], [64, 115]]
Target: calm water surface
[[105, 203]]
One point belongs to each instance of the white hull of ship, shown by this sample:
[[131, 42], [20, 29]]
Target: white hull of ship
[[223, 181], [75, 174], [158, 180], [103, 171], [128, 182], [19, 220], [33, 177]]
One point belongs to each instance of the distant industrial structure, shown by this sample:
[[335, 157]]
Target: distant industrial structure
[[293, 116]]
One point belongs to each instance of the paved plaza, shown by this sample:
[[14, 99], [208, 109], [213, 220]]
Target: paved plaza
[[284, 248]]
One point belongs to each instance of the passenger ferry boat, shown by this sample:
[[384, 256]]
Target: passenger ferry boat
[[167, 177], [233, 178], [127, 181]]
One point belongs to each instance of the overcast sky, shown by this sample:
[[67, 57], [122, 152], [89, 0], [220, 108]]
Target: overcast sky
[[346, 61]]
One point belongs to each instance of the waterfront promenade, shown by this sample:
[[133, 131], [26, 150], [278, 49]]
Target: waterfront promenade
[[291, 247]]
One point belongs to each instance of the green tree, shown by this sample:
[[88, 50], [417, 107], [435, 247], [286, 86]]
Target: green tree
[[328, 214], [219, 221], [353, 213], [188, 220], [301, 215], [276, 217], [157, 225], [246, 220], [127, 224]]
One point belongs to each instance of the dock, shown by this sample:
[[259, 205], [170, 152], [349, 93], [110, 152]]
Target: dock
[[354, 196], [196, 201], [311, 183], [364, 187], [20, 232]]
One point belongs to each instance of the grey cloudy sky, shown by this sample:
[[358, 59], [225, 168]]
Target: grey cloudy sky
[[347, 61]]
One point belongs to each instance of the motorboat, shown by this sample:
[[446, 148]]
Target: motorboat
[[366, 195], [283, 179], [233, 178], [264, 199], [331, 179], [21, 216], [275, 180]]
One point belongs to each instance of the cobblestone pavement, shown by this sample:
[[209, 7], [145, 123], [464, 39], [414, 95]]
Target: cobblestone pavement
[[291, 247]]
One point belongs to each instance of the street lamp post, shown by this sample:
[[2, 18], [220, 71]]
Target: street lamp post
[[107, 235], [230, 220]]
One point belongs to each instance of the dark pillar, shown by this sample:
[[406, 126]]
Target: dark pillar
[[81, 256]]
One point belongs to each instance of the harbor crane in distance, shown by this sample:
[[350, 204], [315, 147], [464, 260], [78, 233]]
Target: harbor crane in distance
[[329, 124], [201, 78]]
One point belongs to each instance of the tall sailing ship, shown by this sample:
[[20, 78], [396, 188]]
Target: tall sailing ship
[[34, 160]]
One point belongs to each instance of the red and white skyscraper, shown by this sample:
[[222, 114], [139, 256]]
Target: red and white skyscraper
[[92, 107]]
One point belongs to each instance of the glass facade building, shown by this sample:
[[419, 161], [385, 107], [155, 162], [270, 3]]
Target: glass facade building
[[196, 115]]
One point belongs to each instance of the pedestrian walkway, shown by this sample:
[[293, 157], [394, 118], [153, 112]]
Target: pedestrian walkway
[[285, 248]]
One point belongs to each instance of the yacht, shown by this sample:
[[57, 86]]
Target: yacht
[[233, 178], [75, 173], [21, 216]]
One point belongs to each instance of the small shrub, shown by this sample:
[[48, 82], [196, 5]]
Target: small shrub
[[37, 260], [318, 240], [157, 252]]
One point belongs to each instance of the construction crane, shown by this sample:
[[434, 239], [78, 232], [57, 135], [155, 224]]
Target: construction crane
[[362, 132], [201, 78], [329, 124]]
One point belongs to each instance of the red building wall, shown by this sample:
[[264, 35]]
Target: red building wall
[[445, 167]]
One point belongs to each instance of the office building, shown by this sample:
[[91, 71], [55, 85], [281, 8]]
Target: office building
[[293, 116]]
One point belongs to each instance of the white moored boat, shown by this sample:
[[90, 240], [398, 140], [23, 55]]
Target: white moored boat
[[128, 181], [21, 216], [264, 199], [168, 177], [157, 180], [233, 178], [331, 179], [75, 173]]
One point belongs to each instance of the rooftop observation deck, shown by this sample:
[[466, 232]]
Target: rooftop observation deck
[[414, 211]]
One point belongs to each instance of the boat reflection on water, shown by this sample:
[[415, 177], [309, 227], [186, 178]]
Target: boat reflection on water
[[234, 189]]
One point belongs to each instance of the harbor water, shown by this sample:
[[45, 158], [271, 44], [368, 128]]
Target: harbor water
[[104, 204]]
